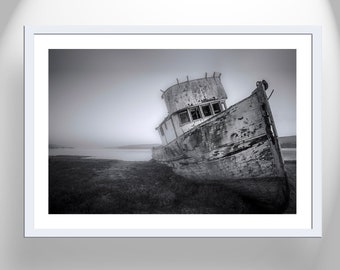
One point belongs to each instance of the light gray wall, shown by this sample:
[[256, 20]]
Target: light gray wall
[[19, 253]]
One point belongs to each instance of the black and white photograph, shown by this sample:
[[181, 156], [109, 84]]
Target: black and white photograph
[[172, 131], [170, 135]]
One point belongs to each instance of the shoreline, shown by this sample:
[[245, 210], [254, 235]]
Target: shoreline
[[83, 185]]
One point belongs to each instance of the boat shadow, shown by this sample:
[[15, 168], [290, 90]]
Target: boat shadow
[[268, 195]]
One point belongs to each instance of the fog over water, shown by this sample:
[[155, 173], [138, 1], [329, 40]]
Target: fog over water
[[113, 97], [104, 153]]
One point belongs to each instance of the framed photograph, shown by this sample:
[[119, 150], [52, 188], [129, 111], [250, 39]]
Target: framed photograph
[[209, 131]]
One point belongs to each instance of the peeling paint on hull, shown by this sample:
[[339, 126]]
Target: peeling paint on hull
[[237, 143], [239, 147]]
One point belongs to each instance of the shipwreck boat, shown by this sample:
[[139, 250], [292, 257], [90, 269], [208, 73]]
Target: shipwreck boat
[[204, 140]]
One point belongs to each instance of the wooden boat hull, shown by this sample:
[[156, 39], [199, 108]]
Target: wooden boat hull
[[237, 143], [238, 147]]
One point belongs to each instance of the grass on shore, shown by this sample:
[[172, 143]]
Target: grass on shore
[[91, 186]]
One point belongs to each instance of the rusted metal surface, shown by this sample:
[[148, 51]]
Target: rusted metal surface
[[193, 92]]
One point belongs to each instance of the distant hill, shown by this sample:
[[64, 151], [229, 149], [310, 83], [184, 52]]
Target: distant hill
[[288, 142], [54, 146], [136, 146]]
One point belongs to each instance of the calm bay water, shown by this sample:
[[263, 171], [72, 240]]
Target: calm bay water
[[131, 154], [288, 153], [121, 154]]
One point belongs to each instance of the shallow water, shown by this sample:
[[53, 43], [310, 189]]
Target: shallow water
[[131, 154], [121, 154], [288, 153]]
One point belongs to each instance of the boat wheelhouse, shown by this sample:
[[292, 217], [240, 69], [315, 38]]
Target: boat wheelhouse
[[190, 103]]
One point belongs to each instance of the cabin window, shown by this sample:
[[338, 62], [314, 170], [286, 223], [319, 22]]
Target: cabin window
[[216, 107], [223, 106], [184, 117], [195, 113], [206, 110], [161, 130]]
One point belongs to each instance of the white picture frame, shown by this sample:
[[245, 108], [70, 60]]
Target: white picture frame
[[306, 40]]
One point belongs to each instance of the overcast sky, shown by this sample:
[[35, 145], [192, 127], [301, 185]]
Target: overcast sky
[[113, 97]]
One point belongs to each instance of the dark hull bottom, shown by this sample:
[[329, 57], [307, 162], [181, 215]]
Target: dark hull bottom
[[251, 160]]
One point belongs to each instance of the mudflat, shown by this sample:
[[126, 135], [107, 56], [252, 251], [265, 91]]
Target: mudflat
[[80, 185]]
